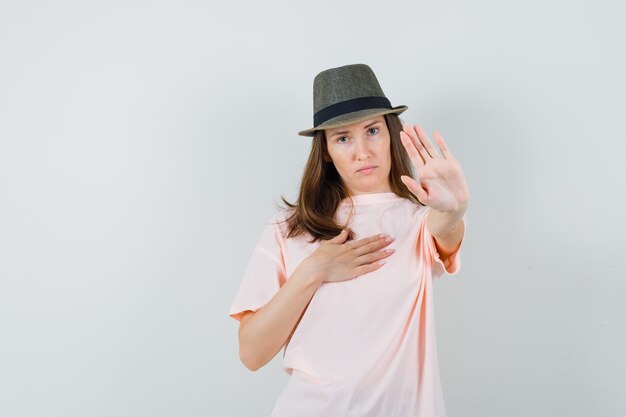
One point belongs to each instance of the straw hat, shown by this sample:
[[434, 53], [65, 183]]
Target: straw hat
[[346, 95]]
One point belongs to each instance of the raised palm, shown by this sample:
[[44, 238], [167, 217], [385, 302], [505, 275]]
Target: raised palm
[[442, 185]]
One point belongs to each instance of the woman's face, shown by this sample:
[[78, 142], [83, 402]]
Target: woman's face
[[361, 145]]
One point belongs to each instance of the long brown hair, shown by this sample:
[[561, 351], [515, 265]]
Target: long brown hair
[[322, 189]]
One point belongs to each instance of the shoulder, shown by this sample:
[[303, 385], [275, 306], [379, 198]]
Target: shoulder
[[414, 209], [279, 221]]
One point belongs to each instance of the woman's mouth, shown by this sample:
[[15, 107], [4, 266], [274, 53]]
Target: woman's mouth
[[367, 170]]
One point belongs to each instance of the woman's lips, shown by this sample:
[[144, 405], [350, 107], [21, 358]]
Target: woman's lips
[[366, 170]]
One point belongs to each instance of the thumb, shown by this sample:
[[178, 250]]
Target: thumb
[[415, 188]]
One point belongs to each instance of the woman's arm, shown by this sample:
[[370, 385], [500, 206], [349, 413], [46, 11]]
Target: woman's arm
[[447, 230], [263, 333]]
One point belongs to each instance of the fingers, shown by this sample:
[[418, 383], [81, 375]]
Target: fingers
[[366, 250], [428, 146], [370, 244], [368, 240], [373, 256], [406, 136], [376, 257], [364, 269], [423, 146], [415, 139], [415, 188], [444, 148], [414, 155], [365, 255]]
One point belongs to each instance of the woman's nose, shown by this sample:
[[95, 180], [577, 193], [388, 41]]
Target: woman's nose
[[362, 149]]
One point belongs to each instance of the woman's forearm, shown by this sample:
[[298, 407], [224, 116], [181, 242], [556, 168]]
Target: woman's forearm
[[269, 328], [447, 228]]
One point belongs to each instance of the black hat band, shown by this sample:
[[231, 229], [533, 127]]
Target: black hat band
[[349, 106]]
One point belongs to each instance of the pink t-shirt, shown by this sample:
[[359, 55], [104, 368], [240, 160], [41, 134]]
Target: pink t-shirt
[[364, 347]]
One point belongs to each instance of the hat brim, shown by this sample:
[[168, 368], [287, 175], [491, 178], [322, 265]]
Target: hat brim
[[350, 118]]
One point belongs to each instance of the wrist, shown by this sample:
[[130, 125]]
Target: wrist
[[309, 276]]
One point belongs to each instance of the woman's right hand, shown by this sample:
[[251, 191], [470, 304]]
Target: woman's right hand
[[335, 260]]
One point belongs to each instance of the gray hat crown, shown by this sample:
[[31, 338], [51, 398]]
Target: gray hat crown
[[346, 95], [344, 83]]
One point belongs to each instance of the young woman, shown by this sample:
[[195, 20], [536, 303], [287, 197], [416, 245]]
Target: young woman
[[342, 279]]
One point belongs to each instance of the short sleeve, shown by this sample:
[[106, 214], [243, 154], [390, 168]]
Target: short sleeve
[[265, 273], [453, 263]]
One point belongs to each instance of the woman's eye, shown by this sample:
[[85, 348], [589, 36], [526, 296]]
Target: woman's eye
[[374, 128], [341, 137]]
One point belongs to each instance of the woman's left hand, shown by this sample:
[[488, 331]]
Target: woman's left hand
[[442, 184]]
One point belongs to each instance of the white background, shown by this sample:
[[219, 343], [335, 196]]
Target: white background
[[143, 146]]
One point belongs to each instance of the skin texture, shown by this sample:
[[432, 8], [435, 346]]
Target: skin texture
[[358, 145], [442, 185]]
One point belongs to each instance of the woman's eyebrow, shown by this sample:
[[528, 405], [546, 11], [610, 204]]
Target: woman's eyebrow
[[347, 131]]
